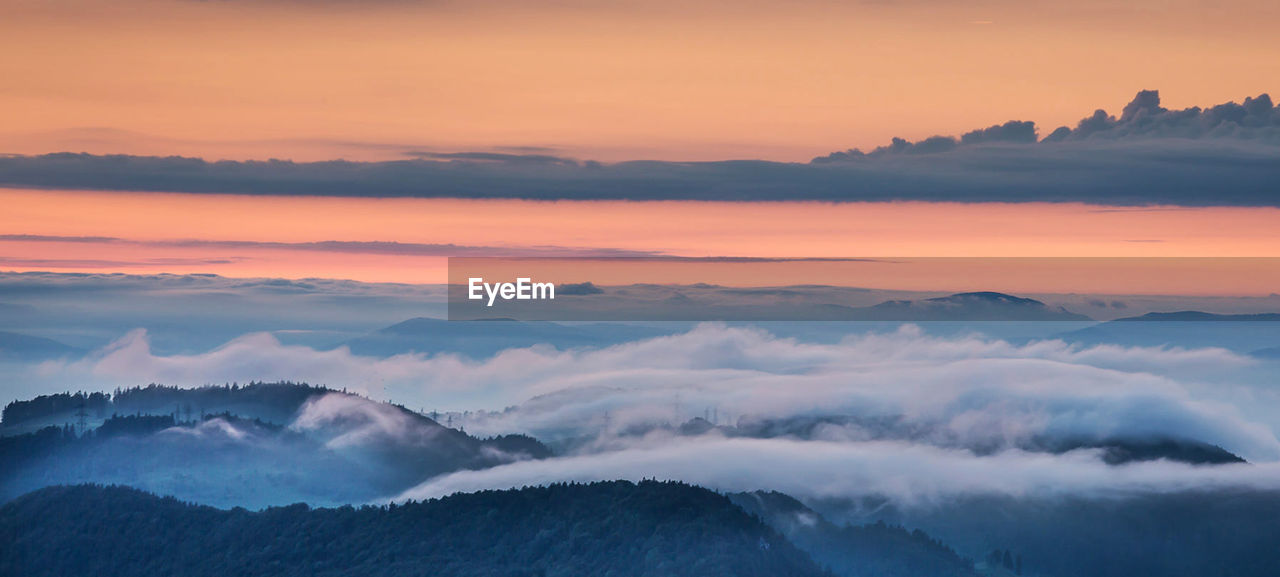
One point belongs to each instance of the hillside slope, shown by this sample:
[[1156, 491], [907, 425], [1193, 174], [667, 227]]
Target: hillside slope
[[607, 529]]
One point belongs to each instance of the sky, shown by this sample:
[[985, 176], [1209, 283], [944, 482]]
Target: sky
[[778, 129], [610, 81], [138, 136], [409, 239]]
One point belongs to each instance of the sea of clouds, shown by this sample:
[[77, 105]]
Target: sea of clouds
[[922, 416]]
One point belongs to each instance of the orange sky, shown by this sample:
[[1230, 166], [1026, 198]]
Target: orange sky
[[148, 223], [664, 79]]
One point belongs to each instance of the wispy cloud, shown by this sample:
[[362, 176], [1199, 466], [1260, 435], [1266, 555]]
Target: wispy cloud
[[335, 246]]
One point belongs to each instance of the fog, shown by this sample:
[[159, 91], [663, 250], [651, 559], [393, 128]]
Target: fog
[[904, 414]]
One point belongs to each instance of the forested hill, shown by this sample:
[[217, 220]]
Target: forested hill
[[266, 444], [606, 529], [272, 402]]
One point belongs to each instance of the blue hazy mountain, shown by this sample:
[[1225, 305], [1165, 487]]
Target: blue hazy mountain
[[702, 302], [22, 347], [479, 338], [1116, 450], [1192, 329], [258, 445], [617, 529], [970, 306], [487, 337]]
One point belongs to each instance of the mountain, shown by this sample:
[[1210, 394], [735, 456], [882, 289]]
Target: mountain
[[1270, 353], [873, 550], [271, 402], [17, 346], [333, 447], [1116, 450], [971, 306], [1242, 333], [677, 306], [1110, 534], [608, 529], [1200, 316], [486, 338]]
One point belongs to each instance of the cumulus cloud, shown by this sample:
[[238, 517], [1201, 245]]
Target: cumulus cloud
[[1257, 118], [1142, 119]]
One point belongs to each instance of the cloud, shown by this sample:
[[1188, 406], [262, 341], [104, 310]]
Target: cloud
[[89, 310], [1255, 119], [346, 421], [907, 474], [496, 157], [1148, 155], [1016, 131], [259, 356], [951, 392], [334, 246], [86, 263], [1142, 119], [922, 417]]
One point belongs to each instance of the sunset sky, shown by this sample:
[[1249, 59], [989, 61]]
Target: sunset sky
[[254, 236], [687, 80], [471, 123]]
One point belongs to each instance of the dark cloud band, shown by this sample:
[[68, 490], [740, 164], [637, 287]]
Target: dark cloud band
[[1226, 155]]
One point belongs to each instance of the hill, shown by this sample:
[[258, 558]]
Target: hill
[[1176, 534], [608, 529], [1116, 450], [873, 550], [331, 448], [271, 402]]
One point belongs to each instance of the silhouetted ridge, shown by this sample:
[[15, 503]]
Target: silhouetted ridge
[[273, 402]]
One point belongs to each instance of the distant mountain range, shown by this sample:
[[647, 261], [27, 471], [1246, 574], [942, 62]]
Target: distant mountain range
[[488, 337], [1244, 333], [1198, 316], [479, 338], [971, 306]]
